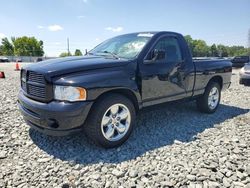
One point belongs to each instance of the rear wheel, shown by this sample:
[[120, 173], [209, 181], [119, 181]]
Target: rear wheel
[[210, 100], [111, 121]]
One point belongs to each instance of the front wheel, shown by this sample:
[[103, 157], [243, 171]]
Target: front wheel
[[111, 121], [210, 100]]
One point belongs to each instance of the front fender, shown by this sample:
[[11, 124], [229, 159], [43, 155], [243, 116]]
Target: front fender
[[100, 81]]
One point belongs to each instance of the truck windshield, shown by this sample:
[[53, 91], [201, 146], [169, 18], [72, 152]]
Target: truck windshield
[[124, 46]]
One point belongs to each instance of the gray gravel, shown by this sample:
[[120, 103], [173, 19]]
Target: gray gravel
[[173, 145]]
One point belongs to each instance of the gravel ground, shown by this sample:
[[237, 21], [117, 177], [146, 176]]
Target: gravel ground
[[171, 146]]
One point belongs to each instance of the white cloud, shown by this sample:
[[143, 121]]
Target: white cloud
[[40, 27], [85, 1], [114, 29], [81, 17], [2, 35], [55, 27]]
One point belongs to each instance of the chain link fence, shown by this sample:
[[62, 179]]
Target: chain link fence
[[27, 58]]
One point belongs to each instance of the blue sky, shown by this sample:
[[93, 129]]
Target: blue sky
[[89, 22]]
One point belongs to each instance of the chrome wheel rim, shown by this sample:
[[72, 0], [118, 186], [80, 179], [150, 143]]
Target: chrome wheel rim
[[116, 122], [213, 98]]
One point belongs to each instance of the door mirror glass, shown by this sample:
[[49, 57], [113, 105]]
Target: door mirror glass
[[155, 55], [158, 54]]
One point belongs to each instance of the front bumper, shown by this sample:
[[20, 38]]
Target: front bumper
[[54, 118], [245, 81], [245, 78]]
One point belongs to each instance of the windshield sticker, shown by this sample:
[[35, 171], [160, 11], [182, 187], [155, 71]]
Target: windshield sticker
[[145, 35]]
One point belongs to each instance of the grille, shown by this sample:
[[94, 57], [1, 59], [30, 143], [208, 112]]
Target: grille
[[33, 84], [23, 80], [36, 91], [36, 77], [23, 85]]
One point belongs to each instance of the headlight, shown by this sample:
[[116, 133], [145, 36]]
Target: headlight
[[69, 93]]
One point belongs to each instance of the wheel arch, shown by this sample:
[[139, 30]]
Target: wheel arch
[[217, 79], [131, 95]]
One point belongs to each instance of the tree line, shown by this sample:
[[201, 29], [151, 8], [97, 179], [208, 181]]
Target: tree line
[[77, 53], [30, 46], [199, 48], [21, 46]]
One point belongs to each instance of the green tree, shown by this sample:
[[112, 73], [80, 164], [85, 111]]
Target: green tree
[[7, 47], [78, 52], [214, 51], [223, 52], [65, 54], [28, 46], [238, 50], [248, 51], [189, 41], [1, 50], [22, 46], [200, 48]]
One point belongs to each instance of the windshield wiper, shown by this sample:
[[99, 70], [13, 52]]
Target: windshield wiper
[[89, 53], [111, 53]]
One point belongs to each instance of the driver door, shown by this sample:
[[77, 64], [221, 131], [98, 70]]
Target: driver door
[[162, 79]]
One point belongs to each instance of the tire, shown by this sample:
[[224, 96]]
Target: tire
[[208, 104], [103, 121]]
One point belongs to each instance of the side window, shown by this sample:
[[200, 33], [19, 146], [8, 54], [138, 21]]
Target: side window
[[171, 47]]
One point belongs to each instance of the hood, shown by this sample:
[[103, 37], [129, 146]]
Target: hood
[[60, 66]]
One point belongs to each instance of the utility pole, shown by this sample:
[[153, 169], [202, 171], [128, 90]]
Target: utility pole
[[68, 45], [249, 38], [248, 45]]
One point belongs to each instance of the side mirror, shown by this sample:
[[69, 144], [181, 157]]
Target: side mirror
[[155, 55]]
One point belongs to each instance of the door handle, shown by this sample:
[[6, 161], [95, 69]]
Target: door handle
[[148, 77]]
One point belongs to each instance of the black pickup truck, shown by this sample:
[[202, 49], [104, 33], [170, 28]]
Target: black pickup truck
[[240, 61], [101, 92]]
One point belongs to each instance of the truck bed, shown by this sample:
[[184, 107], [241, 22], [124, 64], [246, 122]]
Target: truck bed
[[208, 68]]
